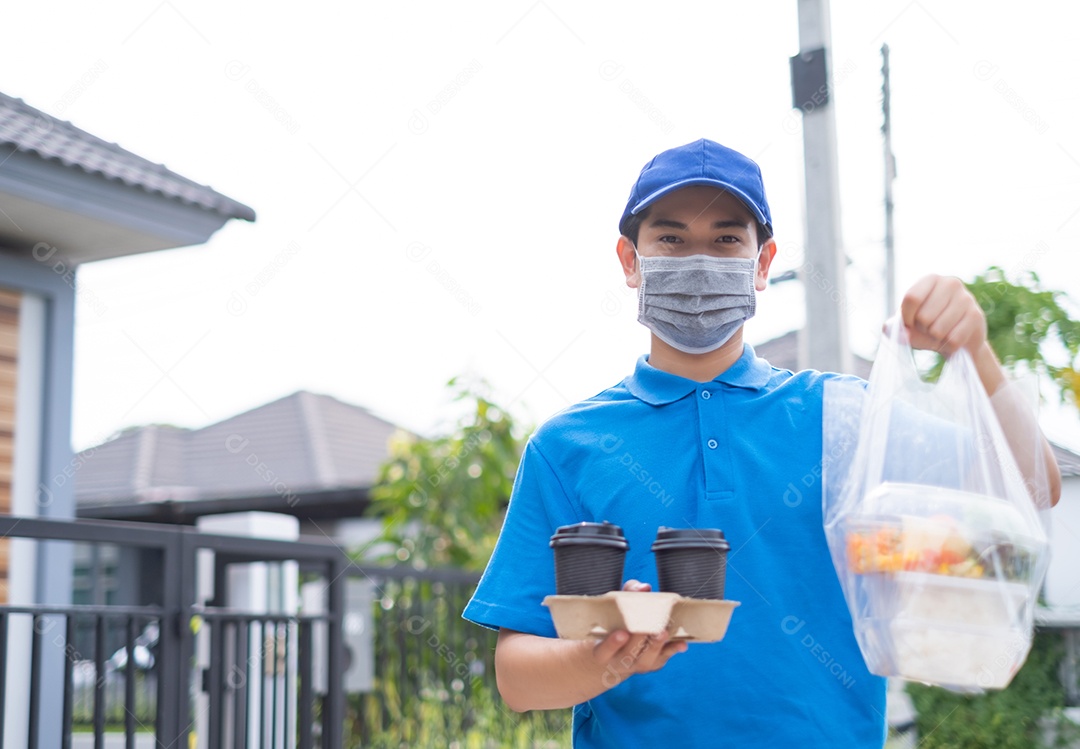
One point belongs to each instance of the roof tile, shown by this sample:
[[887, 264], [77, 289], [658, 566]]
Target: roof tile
[[268, 450], [31, 130]]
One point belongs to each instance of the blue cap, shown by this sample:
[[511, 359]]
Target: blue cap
[[702, 162]]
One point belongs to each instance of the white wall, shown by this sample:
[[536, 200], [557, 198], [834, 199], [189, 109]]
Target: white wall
[[1063, 577]]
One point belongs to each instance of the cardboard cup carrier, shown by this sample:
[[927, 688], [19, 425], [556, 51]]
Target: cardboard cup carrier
[[589, 602]]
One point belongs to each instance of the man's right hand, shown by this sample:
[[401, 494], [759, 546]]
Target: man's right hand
[[623, 654], [544, 673]]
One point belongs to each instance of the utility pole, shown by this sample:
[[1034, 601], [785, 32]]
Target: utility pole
[[890, 175], [823, 342]]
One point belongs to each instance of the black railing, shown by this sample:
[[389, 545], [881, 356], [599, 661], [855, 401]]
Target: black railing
[[91, 685], [425, 651], [260, 680]]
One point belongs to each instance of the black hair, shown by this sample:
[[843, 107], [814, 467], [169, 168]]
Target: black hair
[[632, 226]]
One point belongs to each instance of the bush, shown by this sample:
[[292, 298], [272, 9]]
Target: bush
[[434, 678], [439, 719], [1013, 718]]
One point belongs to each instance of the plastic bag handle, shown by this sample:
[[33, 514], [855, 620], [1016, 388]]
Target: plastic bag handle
[[896, 333], [895, 330]]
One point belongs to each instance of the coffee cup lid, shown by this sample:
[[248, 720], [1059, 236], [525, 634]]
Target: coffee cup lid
[[690, 538], [597, 534]]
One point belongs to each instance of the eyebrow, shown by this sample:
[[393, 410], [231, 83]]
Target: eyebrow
[[671, 224]]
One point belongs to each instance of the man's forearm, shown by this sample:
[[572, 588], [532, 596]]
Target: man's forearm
[[989, 369], [1032, 452], [542, 673]]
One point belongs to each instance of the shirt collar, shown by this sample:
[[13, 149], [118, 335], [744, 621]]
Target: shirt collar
[[657, 387]]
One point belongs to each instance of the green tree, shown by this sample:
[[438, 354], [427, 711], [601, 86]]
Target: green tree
[[1026, 322], [442, 499]]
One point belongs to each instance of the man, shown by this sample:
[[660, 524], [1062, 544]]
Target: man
[[703, 434]]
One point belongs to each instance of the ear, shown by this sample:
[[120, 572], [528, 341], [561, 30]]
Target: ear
[[628, 259], [765, 258]]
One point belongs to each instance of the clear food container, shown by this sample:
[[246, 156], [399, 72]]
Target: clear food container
[[944, 584]]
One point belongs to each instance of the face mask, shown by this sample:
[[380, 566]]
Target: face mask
[[695, 303]]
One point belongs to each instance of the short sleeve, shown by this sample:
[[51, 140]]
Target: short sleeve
[[521, 571]]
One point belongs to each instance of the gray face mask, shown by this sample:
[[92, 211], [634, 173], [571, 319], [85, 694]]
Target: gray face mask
[[695, 303]]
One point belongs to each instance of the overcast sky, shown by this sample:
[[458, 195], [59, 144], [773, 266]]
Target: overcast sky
[[438, 185]]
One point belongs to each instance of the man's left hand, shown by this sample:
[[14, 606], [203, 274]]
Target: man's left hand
[[940, 314]]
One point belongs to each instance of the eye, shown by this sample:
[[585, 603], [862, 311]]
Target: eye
[[669, 239], [729, 239]]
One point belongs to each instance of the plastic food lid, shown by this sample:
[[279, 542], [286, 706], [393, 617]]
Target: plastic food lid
[[978, 518], [593, 534], [690, 538], [975, 510]]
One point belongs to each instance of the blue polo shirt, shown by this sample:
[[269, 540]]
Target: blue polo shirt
[[741, 453]]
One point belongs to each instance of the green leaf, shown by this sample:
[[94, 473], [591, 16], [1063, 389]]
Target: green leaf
[[427, 496], [1030, 328]]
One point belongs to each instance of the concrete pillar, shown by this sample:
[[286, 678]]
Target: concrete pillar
[[823, 342]]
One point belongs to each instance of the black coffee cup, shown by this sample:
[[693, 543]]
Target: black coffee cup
[[691, 561], [588, 558]]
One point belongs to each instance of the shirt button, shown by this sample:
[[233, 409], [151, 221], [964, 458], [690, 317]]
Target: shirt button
[[711, 444], [706, 394]]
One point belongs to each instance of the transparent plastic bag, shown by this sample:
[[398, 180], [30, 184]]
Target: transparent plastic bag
[[931, 524]]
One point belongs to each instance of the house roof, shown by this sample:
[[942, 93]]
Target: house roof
[[1067, 460], [783, 352], [30, 130], [301, 445]]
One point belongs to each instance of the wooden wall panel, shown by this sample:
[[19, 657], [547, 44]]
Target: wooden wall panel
[[9, 358]]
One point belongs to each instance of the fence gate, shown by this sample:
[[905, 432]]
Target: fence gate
[[171, 672]]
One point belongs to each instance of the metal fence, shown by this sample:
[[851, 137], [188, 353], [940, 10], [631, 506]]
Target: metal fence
[[95, 692], [409, 671], [258, 680], [424, 650], [260, 675]]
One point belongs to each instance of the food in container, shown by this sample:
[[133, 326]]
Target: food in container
[[943, 582]]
